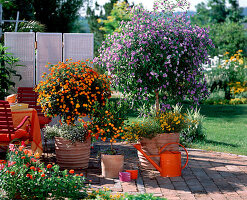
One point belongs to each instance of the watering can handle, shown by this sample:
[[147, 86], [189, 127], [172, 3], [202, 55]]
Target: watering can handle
[[181, 146]]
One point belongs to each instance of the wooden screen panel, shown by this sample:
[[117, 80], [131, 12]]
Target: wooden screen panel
[[22, 46], [49, 49], [78, 46]]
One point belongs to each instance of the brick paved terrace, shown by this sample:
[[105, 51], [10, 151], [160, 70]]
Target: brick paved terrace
[[208, 175]]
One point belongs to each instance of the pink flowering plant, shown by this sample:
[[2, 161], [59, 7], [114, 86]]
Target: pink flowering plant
[[156, 57], [23, 175]]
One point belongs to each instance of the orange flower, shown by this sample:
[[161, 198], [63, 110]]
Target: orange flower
[[21, 148], [81, 174], [23, 157], [42, 175], [71, 171], [12, 173], [49, 166], [36, 155], [32, 168]]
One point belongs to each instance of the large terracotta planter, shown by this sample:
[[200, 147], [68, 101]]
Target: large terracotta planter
[[111, 165], [72, 156], [152, 147]]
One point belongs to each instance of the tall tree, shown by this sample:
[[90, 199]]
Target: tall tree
[[95, 16], [25, 7], [57, 15], [216, 11]]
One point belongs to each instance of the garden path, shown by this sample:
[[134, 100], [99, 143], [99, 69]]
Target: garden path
[[208, 175]]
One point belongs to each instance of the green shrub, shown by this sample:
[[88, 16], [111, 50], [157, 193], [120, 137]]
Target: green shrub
[[227, 36], [7, 71]]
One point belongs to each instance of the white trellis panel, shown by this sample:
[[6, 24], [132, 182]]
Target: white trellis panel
[[22, 46], [49, 49], [78, 46]]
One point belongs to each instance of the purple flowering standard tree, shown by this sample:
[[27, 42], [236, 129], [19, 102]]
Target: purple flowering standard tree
[[156, 57]]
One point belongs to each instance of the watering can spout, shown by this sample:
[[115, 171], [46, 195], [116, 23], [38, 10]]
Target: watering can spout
[[138, 147]]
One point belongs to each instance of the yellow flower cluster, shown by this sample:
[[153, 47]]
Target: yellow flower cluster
[[238, 101], [133, 132], [105, 193], [164, 122], [171, 122], [238, 87], [71, 89], [237, 58]]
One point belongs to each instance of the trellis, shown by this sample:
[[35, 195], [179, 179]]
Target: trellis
[[35, 50]]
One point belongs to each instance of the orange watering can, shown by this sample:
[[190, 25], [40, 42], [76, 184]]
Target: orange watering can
[[170, 161]]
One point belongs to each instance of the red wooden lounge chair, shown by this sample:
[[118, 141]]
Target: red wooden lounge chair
[[7, 131], [29, 96]]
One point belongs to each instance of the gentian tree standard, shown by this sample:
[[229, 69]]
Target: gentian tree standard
[[157, 57]]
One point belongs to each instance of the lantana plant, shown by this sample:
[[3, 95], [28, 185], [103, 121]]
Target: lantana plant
[[156, 57], [71, 89], [108, 122]]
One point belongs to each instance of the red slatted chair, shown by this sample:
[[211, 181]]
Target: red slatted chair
[[7, 131], [29, 96]]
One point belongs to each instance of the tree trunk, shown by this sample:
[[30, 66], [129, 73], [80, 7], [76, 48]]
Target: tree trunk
[[157, 104]]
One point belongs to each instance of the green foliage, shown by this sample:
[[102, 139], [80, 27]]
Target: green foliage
[[170, 121], [148, 128], [56, 15], [70, 132], [108, 122], [7, 71], [227, 36], [106, 195], [25, 175], [216, 11], [194, 130], [118, 13], [96, 20]]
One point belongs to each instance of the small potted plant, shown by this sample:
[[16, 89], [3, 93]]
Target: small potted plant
[[156, 131], [108, 124], [70, 91]]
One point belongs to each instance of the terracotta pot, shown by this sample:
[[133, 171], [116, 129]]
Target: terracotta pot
[[111, 165], [72, 156], [152, 147]]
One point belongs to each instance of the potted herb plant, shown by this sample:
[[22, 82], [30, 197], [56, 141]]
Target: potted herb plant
[[156, 131], [70, 91], [72, 145], [108, 124]]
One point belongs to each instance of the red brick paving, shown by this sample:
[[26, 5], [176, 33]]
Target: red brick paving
[[209, 175]]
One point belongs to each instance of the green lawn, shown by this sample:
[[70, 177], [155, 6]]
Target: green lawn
[[226, 128]]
